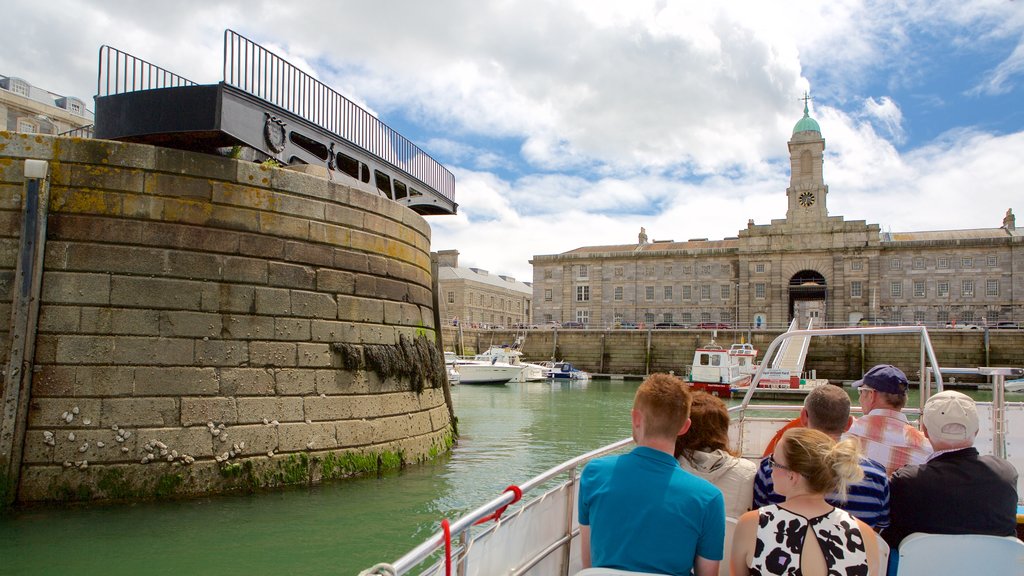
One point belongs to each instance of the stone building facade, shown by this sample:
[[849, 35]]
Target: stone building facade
[[807, 265], [476, 297], [28, 108]]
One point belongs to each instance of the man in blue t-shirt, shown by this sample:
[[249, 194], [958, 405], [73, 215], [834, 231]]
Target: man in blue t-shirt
[[640, 511], [827, 408]]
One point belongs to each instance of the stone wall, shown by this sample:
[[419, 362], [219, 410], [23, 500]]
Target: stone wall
[[208, 324], [836, 358]]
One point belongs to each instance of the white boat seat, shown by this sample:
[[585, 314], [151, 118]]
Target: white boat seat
[[974, 554]]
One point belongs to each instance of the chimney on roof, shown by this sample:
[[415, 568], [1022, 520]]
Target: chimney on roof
[[448, 258]]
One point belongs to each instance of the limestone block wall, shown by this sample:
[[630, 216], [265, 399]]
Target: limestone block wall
[[208, 324], [837, 358]]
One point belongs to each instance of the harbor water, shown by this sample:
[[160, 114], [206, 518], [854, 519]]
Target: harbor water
[[508, 434]]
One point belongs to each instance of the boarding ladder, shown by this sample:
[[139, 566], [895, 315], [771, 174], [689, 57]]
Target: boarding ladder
[[793, 351]]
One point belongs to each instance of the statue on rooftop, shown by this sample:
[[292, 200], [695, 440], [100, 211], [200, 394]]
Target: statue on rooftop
[[1009, 221], [643, 236]]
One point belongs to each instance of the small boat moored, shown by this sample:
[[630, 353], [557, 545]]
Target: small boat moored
[[563, 371]]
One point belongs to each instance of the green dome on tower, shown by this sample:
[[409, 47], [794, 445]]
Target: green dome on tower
[[806, 124]]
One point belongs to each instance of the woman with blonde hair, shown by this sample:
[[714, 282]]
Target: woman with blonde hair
[[805, 535], [704, 451]]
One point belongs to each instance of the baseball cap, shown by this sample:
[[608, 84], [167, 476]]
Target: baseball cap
[[884, 378], [950, 416]]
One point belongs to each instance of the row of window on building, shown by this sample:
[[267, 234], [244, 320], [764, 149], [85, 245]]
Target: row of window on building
[[504, 303], [920, 288], [582, 271]]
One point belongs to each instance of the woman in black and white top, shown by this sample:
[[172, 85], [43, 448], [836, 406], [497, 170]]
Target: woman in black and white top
[[807, 465]]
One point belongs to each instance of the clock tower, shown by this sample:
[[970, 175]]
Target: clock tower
[[807, 189]]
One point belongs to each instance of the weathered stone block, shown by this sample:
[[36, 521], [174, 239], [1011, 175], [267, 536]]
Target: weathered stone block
[[72, 451], [53, 381], [272, 354], [201, 411], [345, 259], [186, 162], [152, 351], [344, 215], [108, 258], [48, 413], [314, 355], [295, 382], [127, 321], [328, 408], [246, 382], [260, 246], [188, 324], [273, 301], [59, 319], [248, 270], [291, 276], [281, 408], [291, 329], [221, 352], [219, 297], [73, 349], [402, 313], [300, 436], [140, 412], [104, 381], [284, 226], [76, 288], [329, 280], [194, 265], [172, 381], [358, 309], [330, 331], [329, 234], [258, 439], [313, 305], [248, 327], [139, 292], [354, 432], [195, 441]]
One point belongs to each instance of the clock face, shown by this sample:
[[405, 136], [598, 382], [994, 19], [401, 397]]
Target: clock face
[[806, 199]]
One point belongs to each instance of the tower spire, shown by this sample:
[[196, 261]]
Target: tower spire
[[805, 99]]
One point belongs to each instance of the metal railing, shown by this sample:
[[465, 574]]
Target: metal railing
[[120, 72], [254, 69], [80, 132], [460, 527]]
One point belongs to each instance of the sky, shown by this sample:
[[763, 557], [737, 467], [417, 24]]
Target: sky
[[572, 123]]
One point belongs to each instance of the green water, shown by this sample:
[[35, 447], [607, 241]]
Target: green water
[[509, 434]]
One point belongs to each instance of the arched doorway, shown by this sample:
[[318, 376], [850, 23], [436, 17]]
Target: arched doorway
[[807, 296]]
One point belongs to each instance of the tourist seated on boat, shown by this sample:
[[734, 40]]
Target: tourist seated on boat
[[884, 433], [704, 451], [805, 534], [641, 511], [827, 409], [956, 491]]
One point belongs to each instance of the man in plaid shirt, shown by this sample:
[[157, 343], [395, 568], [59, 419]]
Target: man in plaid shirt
[[884, 433]]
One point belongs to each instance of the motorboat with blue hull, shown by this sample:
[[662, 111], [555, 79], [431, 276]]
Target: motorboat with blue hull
[[563, 371], [537, 534]]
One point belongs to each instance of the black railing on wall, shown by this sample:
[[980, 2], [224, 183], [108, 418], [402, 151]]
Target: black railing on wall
[[120, 72], [254, 69]]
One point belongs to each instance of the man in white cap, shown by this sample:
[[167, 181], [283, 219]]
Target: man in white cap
[[956, 491]]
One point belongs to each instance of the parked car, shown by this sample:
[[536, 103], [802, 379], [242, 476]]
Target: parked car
[[573, 325], [625, 326], [1007, 326], [713, 326], [664, 325]]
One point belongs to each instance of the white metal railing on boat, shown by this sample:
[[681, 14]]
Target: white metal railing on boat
[[460, 528], [502, 547]]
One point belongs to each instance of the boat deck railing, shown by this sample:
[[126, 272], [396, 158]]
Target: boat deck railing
[[751, 428]]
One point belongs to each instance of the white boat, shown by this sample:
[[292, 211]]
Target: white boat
[[717, 370], [510, 355], [538, 537], [474, 371], [563, 371]]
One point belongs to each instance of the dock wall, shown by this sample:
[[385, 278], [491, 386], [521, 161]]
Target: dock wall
[[839, 358], [207, 325]]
